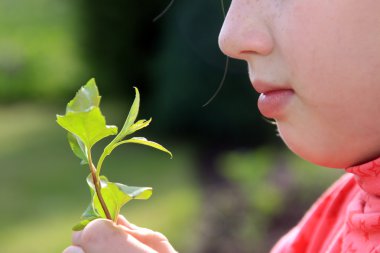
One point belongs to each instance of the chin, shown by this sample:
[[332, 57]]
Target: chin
[[328, 157], [322, 147], [334, 151], [319, 154], [325, 160]]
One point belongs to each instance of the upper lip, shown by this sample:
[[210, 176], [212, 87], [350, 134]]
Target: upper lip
[[265, 87]]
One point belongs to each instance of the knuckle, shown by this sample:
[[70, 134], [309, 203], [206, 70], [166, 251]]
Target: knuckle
[[159, 236]]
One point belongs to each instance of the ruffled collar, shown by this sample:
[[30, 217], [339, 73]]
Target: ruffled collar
[[363, 214], [368, 176]]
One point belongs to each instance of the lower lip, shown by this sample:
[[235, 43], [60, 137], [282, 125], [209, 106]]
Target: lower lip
[[271, 104]]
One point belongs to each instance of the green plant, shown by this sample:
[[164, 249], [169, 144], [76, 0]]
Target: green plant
[[86, 125]]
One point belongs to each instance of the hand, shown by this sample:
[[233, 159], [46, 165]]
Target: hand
[[103, 236]]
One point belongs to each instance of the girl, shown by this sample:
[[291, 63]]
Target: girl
[[315, 63]]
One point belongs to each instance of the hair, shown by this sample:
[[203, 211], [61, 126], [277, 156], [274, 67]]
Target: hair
[[227, 58], [164, 11]]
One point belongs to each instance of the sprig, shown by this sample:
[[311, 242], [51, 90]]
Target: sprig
[[86, 125]]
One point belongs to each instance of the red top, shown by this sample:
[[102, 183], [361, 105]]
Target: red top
[[345, 219]]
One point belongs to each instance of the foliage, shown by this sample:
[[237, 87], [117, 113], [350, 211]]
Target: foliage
[[39, 37], [86, 125]]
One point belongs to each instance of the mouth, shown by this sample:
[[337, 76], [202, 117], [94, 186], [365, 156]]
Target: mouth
[[273, 98]]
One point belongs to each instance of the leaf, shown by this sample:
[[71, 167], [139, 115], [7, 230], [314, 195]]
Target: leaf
[[78, 147], [131, 118], [128, 128], [116, 195], [89, 215], [86, 126], [135, 192], [89, 126], [82, 224], [90, 212], [139, 140], [95, 208], [86, 98], [144, 141], [111, 199], [137, 126]]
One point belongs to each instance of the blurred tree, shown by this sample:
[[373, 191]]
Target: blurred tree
[[39, 53], [119, 40]]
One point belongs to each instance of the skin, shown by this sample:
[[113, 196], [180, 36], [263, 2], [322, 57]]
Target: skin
[[102, 236], [328, 53]]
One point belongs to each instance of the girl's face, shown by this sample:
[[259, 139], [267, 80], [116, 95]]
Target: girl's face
[[318, 63]]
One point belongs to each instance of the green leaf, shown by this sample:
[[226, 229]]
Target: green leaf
[[137, 140], [136, 192], [108, 197], [78, 147], [111, 199], [81, 225], [116, 195], [86, 98], [137, 126], [86, 126], [89, 126], [89, 215], [131, 118], [144, 141], [90, 212]]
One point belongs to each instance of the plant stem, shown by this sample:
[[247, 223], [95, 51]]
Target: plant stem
[[97, 185], [100, 163], [107, 150]]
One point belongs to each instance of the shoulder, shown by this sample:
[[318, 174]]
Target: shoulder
[[321, 222]]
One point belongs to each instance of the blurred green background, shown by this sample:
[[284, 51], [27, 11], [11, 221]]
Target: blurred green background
[[232, 186]]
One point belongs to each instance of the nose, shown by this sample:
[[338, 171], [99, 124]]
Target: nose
[[245, 30]]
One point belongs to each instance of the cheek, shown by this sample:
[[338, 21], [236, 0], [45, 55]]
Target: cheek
[[332, 51], [334, 61], [309, 49], [331, 46]]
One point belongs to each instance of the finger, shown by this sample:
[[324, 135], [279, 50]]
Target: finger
[[102, 236], [145, 235], [73, 249], [154, 240], [121, 220], [76, 238]]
